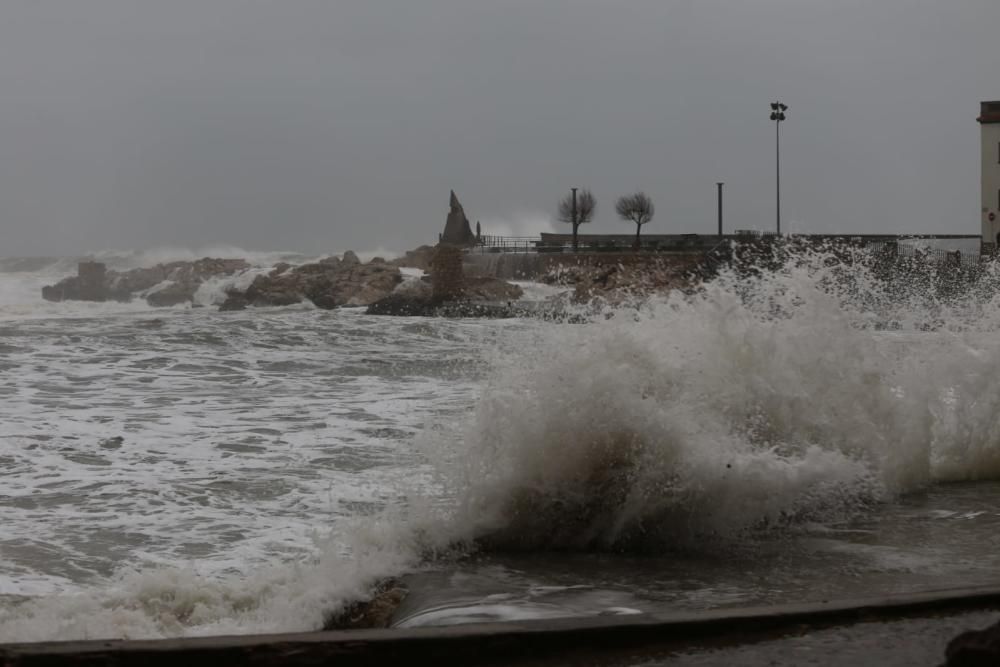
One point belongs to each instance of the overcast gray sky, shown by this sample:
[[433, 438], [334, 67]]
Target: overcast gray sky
[[327, 125]]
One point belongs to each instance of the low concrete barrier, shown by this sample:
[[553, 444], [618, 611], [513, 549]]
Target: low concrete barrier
[[531, 266], [557, 640]]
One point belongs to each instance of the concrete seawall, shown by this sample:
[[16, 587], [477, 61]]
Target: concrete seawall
[[531, 266]]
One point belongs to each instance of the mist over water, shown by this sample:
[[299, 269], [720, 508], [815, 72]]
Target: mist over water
[[809, 429]]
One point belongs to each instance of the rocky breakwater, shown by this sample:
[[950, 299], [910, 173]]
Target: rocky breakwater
[[167, 284], [616, 281], [447, 292], [418, 258], [328, 283]]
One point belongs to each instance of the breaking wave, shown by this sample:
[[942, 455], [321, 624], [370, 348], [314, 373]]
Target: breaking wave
[[160, 602], [810, 392]]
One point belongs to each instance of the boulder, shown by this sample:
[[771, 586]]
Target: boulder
[[366, 284], [480, 297], [613, 281], [282, 290], [329, 283], [173, 294], [70, 289], [374, 612], [91, 276], [418, 258], [404, 305], [234, 301], [410, 298], [64, 290], [490, 289], [93, 282]]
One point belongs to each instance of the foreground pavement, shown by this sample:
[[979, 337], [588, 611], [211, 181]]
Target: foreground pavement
[[899, 630]]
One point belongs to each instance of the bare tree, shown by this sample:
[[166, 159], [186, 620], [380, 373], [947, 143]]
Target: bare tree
[[577, 208], [637, 208]]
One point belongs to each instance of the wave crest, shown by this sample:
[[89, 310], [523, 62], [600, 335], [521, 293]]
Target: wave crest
[[751, 403]]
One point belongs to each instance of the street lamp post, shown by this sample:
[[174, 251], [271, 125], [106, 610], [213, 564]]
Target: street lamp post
[[720, 207], [777, 115]]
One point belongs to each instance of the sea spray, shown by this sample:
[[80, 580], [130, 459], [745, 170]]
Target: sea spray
[[755, 401], [170, 601]]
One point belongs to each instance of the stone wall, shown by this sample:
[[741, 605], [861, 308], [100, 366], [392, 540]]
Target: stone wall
[[447, 275]]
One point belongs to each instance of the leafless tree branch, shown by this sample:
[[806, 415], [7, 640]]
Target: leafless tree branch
[[586, 206], [577, 210], [637, 208]]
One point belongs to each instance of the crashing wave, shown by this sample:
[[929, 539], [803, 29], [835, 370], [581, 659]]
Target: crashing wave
[[757, 401]]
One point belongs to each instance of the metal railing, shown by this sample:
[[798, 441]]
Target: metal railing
[[491, 243], [540, 244], [711, 245]]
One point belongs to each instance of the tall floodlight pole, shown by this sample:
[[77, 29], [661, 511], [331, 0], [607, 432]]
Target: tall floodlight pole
[[720, 207], [777, 115]]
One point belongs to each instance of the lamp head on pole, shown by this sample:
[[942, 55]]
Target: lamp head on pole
[[778, 111]]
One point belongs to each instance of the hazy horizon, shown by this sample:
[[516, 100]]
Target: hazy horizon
[[315, 127]]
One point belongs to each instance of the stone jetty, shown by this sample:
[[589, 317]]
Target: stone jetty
[[161, 285]]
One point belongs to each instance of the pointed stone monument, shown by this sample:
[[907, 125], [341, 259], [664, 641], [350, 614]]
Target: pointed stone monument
[[457, 230]]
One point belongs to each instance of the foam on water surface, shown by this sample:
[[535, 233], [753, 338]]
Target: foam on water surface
[[184, 471]]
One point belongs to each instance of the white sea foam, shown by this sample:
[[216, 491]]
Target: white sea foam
[[807, 394], [173, 601], [411, 273], [206, 472], [213, 291], [750, 403], [535, 291]]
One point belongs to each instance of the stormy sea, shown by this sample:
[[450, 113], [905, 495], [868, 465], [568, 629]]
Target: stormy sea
[[798, 435]]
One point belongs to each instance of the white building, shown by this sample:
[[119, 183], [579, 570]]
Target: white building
[[989, 122]]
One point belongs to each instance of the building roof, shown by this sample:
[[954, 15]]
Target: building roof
[[989, 112]]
